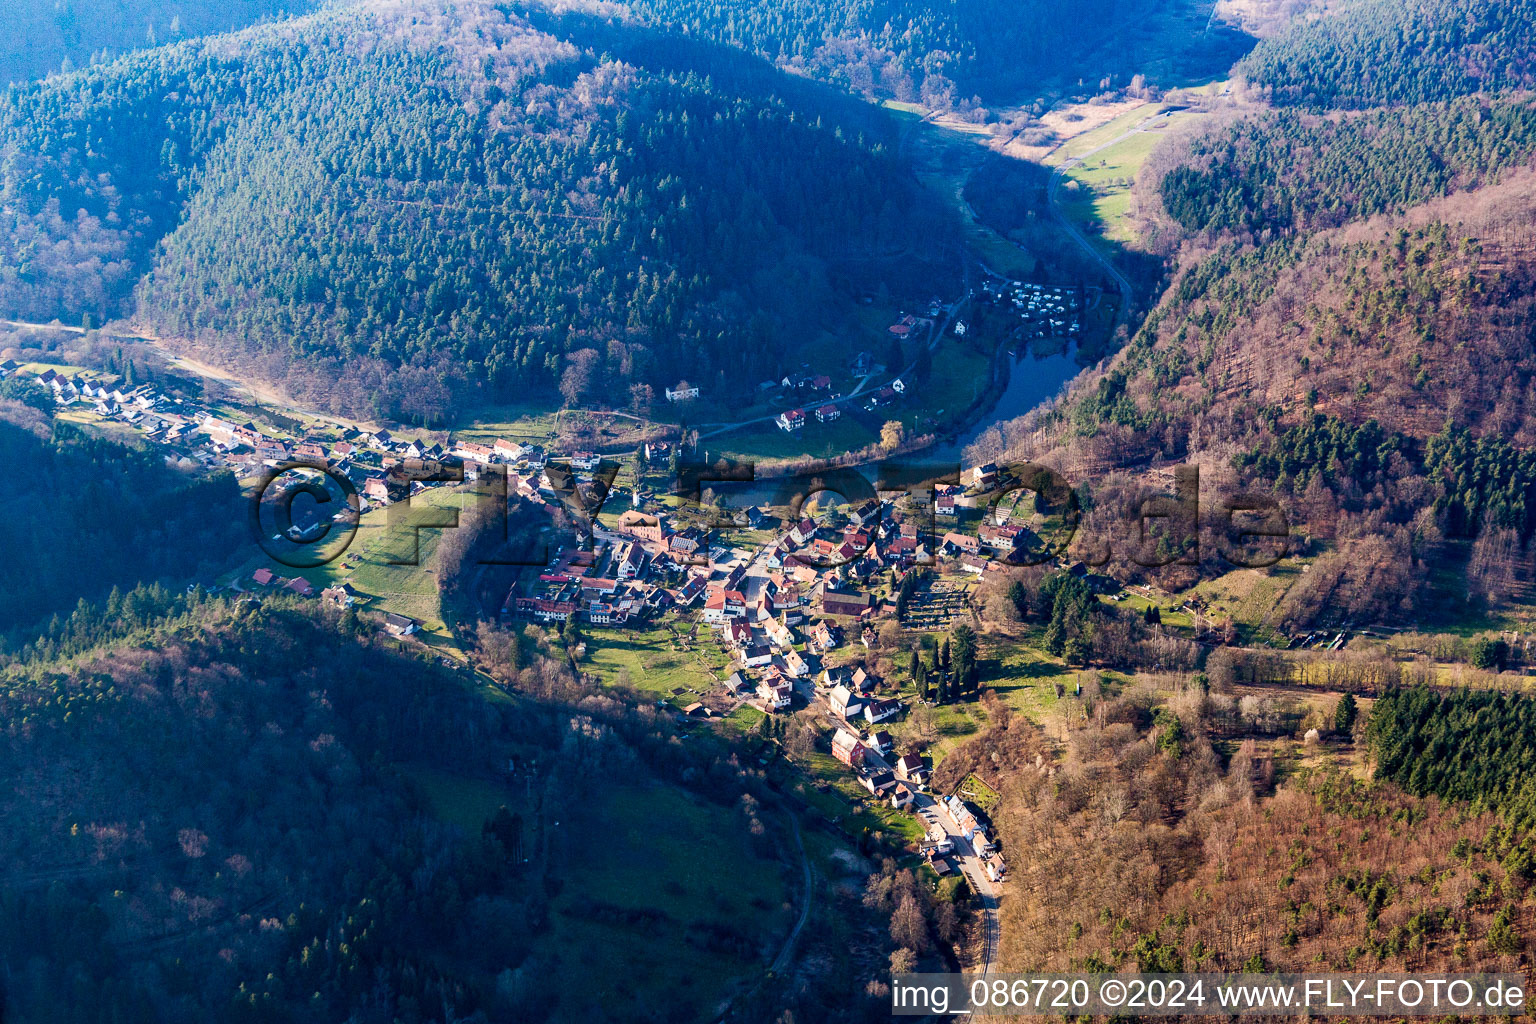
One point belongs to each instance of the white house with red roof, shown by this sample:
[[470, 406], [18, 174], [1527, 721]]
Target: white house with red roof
[[791, 420]]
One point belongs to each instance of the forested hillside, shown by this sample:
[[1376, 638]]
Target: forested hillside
[[87, 515], [939, 52], [41, 36], [1368, 53], [389, 208], [269, 813], [1286, 170], [1375, 378], [1151, 849]]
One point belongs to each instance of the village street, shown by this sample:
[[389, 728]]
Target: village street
[[932, 816]]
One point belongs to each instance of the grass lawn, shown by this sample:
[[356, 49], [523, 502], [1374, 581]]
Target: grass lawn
[[816, 440], [975, 790], [460, 801], [369, 563], [713, 904], [943, 158], [1090, 140], [1102, 201], [850, 803], [714, 907], [647, 662]]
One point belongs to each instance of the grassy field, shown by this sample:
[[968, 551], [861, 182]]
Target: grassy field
[[467, 803], [711, 902], [816, 440], [691, 870], [1097, 192], [370, 563], [843, 800], [653, 662], [1090, 140]]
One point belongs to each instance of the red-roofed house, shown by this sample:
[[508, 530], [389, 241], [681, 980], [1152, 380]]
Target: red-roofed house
[[791, 420]]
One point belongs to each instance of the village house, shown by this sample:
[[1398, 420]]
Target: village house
[[628, 560], [640, 526], [844, 702], [342, 596], [878, 782], [780, 633], [723, 605], [803, 532], [882, 710], [691, 591], [1002, 538], [866, 515], [880, 742], [756, 656], [841, 602], [847, 748], [962, 543], [961, 815], [791, 420], [469, 451], [509, 451], [794, 664], [827, 413], [775, 692], [982, 476], [822, 637], [910, 768], [309, 451], [973, 564], [683, 392], [271, 451], [376, 489], [400, 625], [738, 632]]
